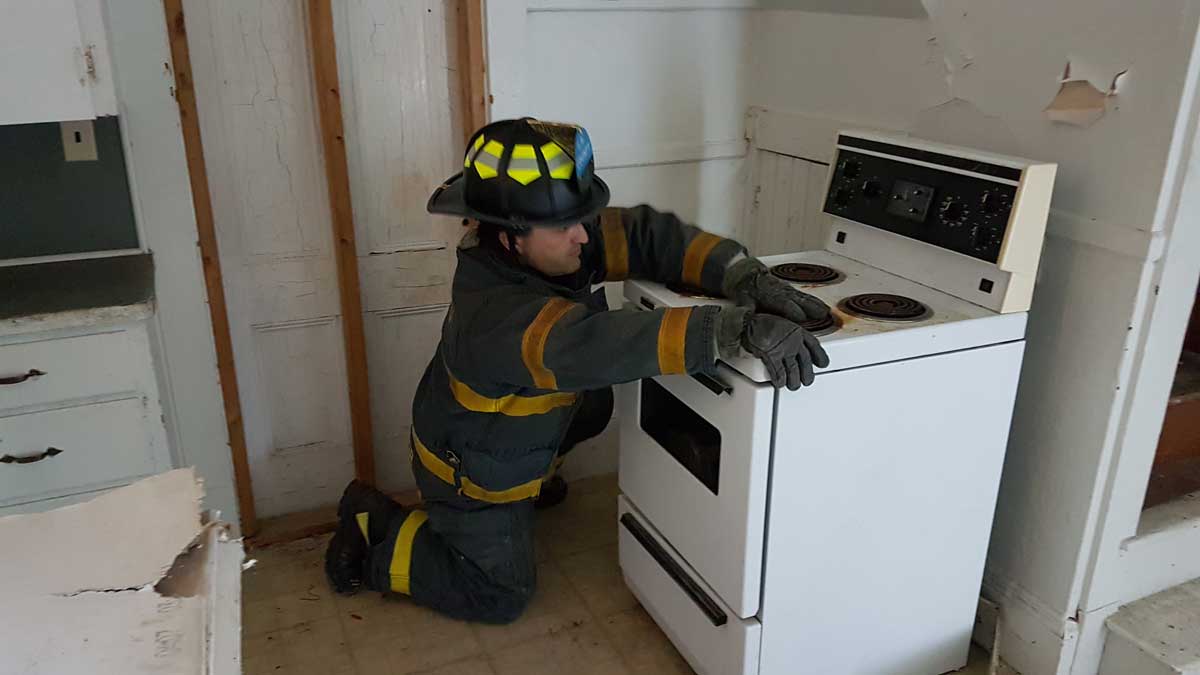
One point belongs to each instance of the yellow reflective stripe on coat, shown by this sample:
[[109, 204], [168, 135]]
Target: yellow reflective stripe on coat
[[444, 471], [432, 462], [695, 257], [533, 343], [400, 569], [523, 164], [560, 165], [512, 404], [521, 492], [672, 339], [363, 521], [616, 245]]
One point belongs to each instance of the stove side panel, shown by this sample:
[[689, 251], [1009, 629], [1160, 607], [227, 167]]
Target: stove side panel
[[883, 488]]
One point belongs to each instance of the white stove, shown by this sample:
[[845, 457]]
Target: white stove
[[842, 528]]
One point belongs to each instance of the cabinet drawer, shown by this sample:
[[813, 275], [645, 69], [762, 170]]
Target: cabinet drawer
[[74, 367], [75, 449]]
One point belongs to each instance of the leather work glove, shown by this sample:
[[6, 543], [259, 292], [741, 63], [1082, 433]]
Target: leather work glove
[[749, 283], [788, 351]]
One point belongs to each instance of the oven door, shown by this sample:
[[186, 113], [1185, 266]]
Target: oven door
[[695, 455]]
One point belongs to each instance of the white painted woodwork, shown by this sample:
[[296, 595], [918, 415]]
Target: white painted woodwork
[[262, 147], [98, 403], [181, 329], [397, 71], [42, 70], [785, 205], [399, 345]]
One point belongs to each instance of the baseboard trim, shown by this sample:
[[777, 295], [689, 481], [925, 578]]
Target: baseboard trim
[[1034, 639]]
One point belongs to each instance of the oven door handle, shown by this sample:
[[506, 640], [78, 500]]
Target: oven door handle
[[675, 571], [713, 384]]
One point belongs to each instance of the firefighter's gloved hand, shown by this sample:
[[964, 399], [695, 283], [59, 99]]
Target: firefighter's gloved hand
[[788, 351], [749, 283]]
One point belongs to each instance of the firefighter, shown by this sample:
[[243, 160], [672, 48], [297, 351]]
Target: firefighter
[[527, 359]]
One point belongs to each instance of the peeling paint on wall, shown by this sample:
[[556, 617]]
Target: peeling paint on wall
[[960, 122], [951, 36], [1083, 94]]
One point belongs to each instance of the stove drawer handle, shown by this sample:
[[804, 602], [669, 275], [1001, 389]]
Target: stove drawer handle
[[686, 583], [46, 454], [712, 384], [24, 377]]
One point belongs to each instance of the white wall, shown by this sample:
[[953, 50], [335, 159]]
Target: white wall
[[663, 95]]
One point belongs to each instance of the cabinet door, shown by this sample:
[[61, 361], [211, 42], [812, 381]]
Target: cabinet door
[[42, 69]]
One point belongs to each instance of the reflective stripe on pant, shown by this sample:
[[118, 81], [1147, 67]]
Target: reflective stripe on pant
[[466, 559]]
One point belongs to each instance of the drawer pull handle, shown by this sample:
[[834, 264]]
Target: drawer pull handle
[[18, 379], [714, 613], [50, 452]]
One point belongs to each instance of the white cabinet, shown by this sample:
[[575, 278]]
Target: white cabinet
[[54, 61], [79, 412]]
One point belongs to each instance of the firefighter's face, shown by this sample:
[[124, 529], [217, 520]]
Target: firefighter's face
[[553, 251]]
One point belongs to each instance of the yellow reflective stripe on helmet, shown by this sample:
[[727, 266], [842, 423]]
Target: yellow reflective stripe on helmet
[[521, 492], [616, 245], [473, 151], [400, 569], [523, 165], [672, 338], [695, 257], [432, 462], [363, 520], [445, 472], [487, 160], [511, 405], [558, 162], [533, 343]]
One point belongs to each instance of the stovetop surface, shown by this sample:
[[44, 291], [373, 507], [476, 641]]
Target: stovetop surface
[[857, 279], [950, 323]]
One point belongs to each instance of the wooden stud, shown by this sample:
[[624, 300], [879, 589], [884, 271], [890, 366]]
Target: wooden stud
[[185, 95], [473, 65], [329, 103]]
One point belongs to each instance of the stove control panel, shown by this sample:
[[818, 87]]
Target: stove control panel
[[950, 201]]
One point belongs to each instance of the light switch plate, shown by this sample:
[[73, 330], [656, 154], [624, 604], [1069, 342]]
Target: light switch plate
[[79, 141]]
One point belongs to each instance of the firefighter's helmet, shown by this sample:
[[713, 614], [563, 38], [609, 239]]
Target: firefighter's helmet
[[525, 173]]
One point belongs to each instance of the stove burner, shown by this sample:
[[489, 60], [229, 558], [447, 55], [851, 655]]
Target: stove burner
[[688, 292], [885, 307], [820, 327], [807, 273]]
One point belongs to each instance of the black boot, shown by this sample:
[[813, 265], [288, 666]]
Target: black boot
[[346, 556], [554, 491]]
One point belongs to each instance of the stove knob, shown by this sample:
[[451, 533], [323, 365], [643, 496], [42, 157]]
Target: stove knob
[[872, 189], [952, 211], [851, 168], [991, 203], [842, 197]]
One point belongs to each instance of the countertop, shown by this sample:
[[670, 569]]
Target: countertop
[[52, 296]]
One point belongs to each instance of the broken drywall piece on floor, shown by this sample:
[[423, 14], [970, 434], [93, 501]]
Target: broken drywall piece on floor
[[1083, 93], [79, 585], [131, 537]]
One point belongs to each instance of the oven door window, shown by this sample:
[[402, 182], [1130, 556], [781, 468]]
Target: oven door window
[[685, 435]]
